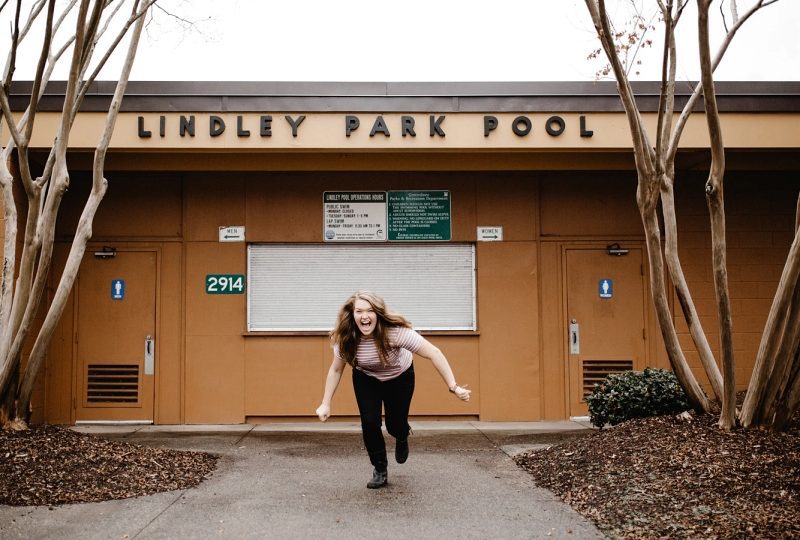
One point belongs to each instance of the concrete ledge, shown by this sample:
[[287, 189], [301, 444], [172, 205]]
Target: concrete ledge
[[314, 426]]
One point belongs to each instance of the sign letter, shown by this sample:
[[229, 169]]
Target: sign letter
[[585, 132], [143, 133], [489, 124], [187, 126], [436, 126], [559, 126], [526, 126], [379, 127], [266, 126], [295, 123], [216, 126], [407, 123], [240, 131], [351, 124]]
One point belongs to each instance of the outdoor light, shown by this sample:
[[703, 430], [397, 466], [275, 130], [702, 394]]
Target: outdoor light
[[106, 253], [616, 250]]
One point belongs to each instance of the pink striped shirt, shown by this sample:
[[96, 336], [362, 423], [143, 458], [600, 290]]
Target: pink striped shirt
[[403, 342]]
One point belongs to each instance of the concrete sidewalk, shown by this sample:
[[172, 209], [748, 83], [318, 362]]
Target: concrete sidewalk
[[309, 481]]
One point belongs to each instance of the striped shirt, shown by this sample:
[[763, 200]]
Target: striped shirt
[[403, 342]]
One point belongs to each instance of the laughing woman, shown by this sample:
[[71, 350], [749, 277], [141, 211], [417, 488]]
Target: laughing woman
[[378, 345]]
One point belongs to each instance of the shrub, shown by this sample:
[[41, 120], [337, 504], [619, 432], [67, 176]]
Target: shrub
[[635, 394]]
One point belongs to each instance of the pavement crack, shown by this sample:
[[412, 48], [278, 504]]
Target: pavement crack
[[176, 499], [132, 433], [243, 437], [493, 443]]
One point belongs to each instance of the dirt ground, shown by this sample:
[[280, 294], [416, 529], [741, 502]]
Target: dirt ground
[[651, 478], [50, 465], [669, 478]]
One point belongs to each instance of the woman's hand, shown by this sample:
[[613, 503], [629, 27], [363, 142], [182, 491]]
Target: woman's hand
[[324, 412], [462, 392]]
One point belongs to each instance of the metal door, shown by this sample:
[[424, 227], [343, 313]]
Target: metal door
[[605, 318], [116, 325]]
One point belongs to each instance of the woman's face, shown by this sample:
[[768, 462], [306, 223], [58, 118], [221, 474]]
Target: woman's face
[[365, 316]]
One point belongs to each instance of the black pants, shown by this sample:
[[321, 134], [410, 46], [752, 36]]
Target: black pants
[[395, 395]]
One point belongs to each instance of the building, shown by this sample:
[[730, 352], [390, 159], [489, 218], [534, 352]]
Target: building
[[499, 217]]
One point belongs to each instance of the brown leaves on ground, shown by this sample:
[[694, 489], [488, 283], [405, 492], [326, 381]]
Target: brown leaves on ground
[[669, 478], [50, 465]]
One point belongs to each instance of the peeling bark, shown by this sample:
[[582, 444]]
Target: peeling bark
[[20, 302]]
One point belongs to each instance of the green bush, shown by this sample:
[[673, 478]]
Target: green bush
[[635, 394]]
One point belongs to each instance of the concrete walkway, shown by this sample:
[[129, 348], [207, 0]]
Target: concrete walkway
[[308, 481]]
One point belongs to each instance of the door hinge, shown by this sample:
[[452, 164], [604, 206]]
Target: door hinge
[[641, 269], [644, 335], [76, 338]]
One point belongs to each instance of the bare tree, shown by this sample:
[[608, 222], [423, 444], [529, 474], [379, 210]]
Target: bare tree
[[21, 298], [774, 390]]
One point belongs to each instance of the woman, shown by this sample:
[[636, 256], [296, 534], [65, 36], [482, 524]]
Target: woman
[[378, 345]]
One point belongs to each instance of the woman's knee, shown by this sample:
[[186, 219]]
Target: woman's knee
[[371, 422]]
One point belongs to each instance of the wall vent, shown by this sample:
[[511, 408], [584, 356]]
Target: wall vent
[[113, 383], [595, 371]]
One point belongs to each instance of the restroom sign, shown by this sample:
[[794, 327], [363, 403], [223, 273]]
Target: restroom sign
[[117, 289], [606, 288]]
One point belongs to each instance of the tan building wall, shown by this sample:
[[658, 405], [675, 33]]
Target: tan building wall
[[210, 370]]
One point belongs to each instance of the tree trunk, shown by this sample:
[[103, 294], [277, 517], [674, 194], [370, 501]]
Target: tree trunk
[[677, 359], [781, 377], [783, 387], [682, 289], [770, 339], [716, 207], [791, 397], [82, 236], [8, 400], [719, 256]]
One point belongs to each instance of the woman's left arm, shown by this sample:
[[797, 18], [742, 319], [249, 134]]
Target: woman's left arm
[[431, 352]]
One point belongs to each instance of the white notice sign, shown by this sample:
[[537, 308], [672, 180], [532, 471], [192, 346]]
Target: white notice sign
[[231, 234], [490, 234], [354, 216]]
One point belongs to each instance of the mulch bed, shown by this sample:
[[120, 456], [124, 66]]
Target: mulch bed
[[49, 465], [665, 477]]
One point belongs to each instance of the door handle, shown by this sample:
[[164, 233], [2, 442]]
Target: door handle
[[149, 356], [574, 337]]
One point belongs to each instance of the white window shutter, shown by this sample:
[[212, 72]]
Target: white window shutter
[[302, 286]]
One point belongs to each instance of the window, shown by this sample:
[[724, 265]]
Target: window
[[301, 287]]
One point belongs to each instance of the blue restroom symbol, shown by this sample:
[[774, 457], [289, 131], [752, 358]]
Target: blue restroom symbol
[[606, 288], [117, 289]]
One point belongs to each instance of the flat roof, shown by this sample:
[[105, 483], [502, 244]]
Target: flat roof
[[385, 97]]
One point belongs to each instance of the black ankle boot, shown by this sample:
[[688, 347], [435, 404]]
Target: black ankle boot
[[401, 451], [379, 479]]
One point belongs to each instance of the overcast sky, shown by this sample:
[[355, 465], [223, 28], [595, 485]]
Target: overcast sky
[[424, 40]]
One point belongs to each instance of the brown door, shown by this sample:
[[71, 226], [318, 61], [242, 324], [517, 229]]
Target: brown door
[[605, 318], [116, 337]]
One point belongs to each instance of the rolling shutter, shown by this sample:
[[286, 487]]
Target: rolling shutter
[[302, 287]]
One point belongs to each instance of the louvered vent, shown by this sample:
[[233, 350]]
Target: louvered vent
[[113, 383], [595, 371]]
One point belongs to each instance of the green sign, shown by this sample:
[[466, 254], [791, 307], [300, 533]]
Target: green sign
[[419, 215], [224, 284]]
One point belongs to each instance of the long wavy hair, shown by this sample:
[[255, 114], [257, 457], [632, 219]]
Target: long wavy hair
[[346, 335]]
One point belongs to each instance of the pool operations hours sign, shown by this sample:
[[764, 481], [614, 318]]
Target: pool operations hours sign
[[354, 216]]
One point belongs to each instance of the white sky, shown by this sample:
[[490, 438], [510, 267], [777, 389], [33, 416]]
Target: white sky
[[423, 40]]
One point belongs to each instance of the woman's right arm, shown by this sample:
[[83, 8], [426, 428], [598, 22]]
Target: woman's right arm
[[331, 383]]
